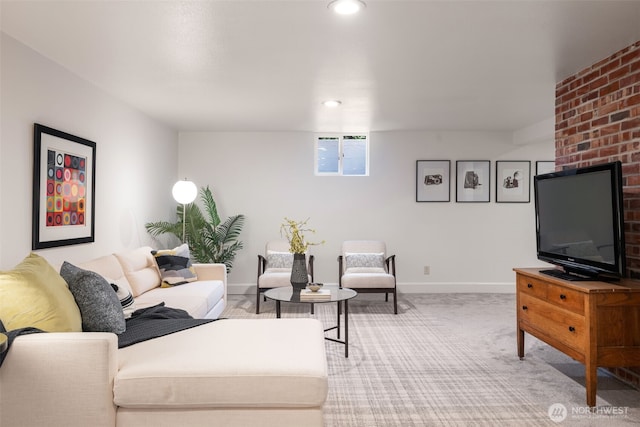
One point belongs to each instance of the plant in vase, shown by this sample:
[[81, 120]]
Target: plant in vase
[[294, 232]]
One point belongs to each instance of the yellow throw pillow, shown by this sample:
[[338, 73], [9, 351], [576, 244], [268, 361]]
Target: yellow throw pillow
[[33, 294]]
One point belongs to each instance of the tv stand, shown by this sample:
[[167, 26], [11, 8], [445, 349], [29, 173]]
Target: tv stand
[[595, 323]]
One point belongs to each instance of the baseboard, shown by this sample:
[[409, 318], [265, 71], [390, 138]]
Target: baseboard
[[413, 288]]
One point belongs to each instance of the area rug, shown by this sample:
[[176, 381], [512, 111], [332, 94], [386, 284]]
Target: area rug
[[444, 360]]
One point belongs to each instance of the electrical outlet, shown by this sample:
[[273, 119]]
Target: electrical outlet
[[427, 270]]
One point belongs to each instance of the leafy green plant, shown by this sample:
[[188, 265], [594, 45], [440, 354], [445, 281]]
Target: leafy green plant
[[210, 240]]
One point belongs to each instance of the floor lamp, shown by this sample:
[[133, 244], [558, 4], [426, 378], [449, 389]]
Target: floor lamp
[[184, 192]]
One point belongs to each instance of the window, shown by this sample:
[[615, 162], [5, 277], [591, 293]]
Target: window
[[346, 155]]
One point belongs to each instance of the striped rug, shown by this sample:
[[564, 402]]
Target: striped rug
[[444, 360]]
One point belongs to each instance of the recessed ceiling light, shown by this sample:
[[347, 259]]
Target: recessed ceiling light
[[346, 7], [332, 103]]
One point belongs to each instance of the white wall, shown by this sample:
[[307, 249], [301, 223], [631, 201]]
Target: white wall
[[468, 246], [136, 161]]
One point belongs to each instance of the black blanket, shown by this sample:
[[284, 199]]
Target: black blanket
[[144, 324], [156, 321]]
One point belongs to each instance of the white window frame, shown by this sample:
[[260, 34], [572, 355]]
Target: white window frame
[[340, 154]]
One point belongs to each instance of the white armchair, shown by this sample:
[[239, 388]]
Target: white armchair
[[274, 268], [364, 266]]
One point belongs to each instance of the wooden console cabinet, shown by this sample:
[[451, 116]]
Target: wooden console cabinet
[[595, 323]]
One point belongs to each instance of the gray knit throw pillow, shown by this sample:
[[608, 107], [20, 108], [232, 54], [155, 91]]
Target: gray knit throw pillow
[[98, 303]]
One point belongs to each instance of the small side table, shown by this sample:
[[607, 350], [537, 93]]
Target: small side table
[[338, 295]]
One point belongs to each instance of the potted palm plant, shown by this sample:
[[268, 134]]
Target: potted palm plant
[[210, 240]]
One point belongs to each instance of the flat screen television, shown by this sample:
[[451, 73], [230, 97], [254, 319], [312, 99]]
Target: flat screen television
[[580, 222]]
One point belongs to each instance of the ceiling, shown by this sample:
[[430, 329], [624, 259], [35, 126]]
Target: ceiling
[[267, 65]]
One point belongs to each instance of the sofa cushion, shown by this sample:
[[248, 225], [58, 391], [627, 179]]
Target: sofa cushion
[[108, 267], [197, 298], [33, 294], [140, 269], [175, 266], [99, 305], [259, 363]]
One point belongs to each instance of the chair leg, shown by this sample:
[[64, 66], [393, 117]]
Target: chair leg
[[386, 297], [257, 301], [395, 301], [312, 309]]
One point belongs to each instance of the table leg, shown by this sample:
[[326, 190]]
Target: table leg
[[338, 327], [278, 309], [346, 328]]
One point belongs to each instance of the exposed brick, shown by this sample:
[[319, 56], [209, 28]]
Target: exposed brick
[[620, 116], [609, 65], [610, 88], [586, 116], [609, 151], [631, 56], [631, 101], [631, 124], [634, 180], [590, 96], [584, 146], [600, 122], [630, 80], [611, 129], [619, 73]]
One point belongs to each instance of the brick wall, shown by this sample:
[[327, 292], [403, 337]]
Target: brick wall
[[598, 121]]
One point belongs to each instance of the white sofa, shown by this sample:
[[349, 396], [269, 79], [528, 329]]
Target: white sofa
[[232, 372]]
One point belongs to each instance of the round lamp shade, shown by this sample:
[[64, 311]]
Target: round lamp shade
[[346, 7], [184, 192]]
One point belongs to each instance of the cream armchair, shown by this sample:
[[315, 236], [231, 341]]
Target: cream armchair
[[363, 265], [274, 268]]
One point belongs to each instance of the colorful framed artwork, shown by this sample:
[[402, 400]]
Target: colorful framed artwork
[[545, 166], [433, 179], [473, 180], [64, 169], [513, 179]]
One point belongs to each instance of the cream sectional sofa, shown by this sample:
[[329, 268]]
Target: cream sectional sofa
[[231, 372]]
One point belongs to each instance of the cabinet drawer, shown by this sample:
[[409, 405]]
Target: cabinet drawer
[[566, 298], [558, 324], [531, 286]]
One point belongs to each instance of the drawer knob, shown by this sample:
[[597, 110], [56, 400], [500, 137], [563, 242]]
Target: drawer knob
[[572, 329], [529, 285], [563, 296], [524, 307]]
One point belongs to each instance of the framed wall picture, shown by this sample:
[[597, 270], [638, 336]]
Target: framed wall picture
[[433, 179], [545, 166], [63, 189], [473, 180], [513, 180]]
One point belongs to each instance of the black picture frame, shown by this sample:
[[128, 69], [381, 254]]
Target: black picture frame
[[433, 180], [513, 181], [64, 169], [473, 181]]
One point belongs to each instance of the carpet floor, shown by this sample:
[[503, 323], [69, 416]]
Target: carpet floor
[[450, 360]]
